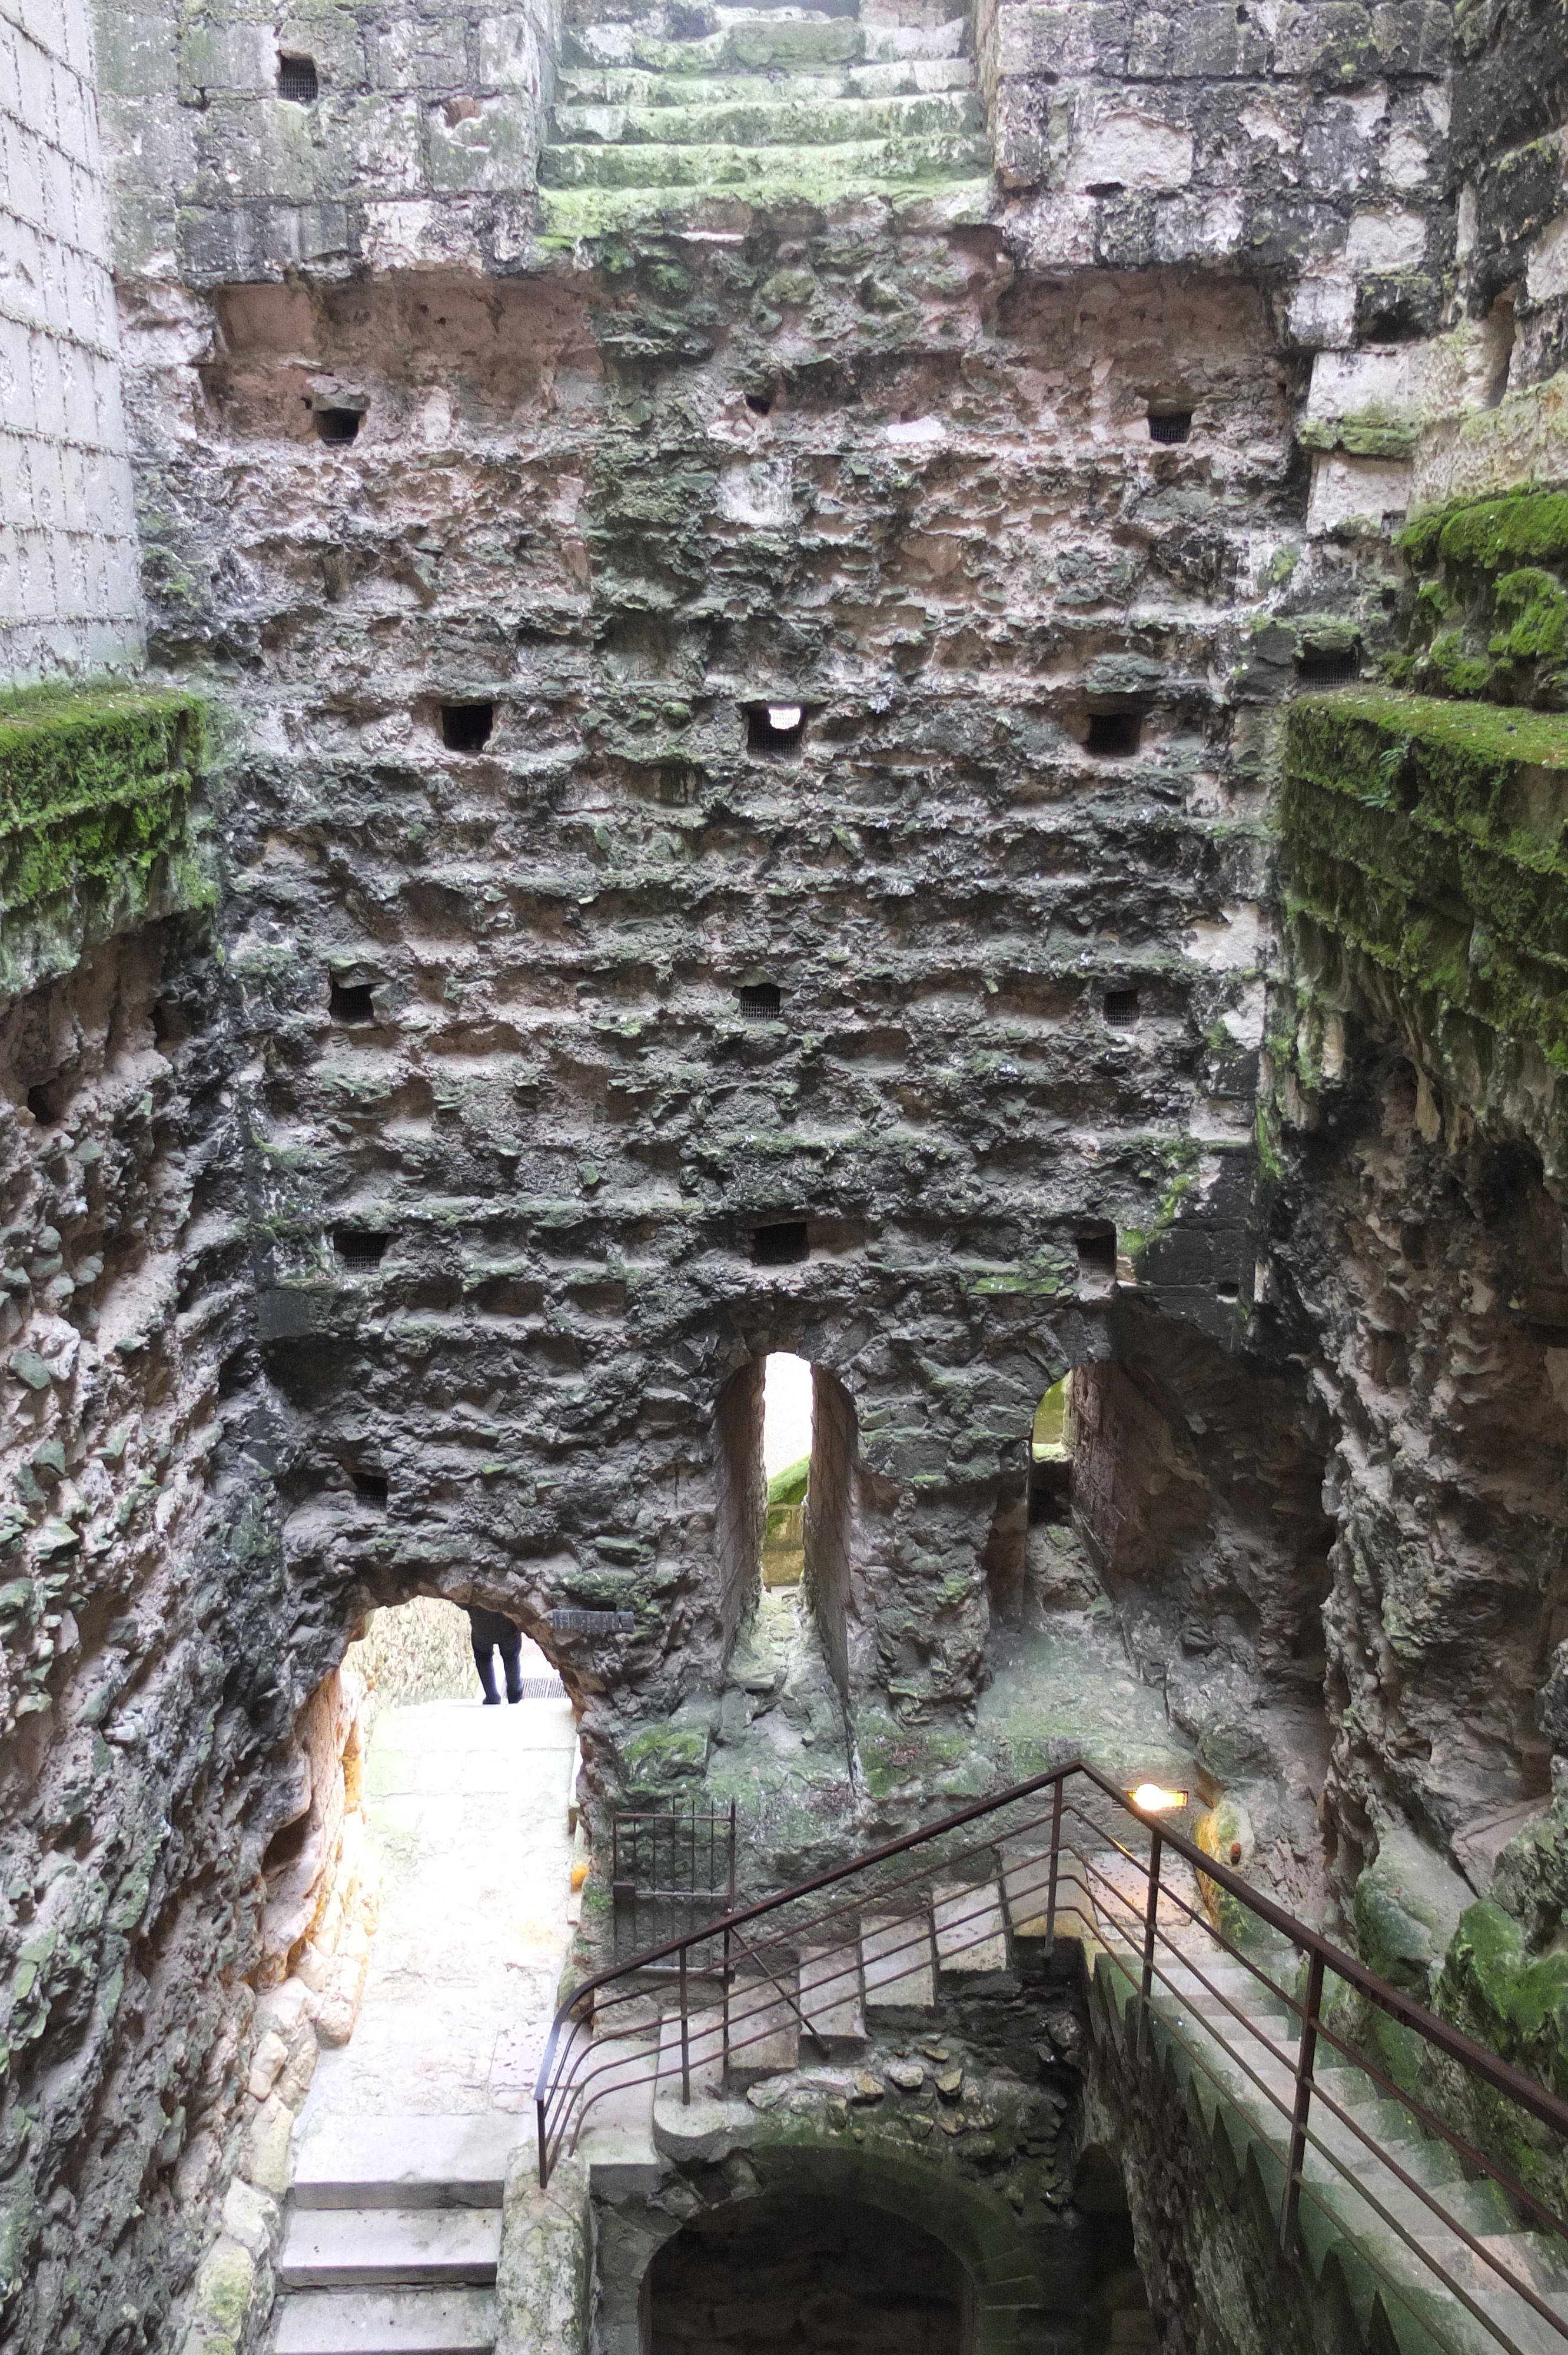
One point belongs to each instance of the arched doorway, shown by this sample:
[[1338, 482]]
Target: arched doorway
[[797, 2273]]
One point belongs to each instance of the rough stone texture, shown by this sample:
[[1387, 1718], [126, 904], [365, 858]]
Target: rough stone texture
[[70, 595], [441, 1291]]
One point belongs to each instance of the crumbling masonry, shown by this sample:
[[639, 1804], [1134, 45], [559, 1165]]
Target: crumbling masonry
[[1042, 538]]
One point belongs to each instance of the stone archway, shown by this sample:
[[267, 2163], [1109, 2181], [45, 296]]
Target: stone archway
[[1012, 2296]]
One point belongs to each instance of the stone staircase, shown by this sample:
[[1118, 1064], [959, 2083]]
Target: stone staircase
[[1230, 2040], [1228, 2035], [392, 2237], [765, 106]]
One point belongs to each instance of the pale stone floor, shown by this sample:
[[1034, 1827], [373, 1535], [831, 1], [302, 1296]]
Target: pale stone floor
[[468, 1812]]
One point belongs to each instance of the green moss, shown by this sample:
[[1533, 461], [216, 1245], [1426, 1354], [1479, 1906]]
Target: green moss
[[1528, 526], [788, 1487], [1422, 835], [95, 791], [1536, 609]]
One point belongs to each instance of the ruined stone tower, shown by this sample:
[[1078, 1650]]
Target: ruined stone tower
[[684, 681]]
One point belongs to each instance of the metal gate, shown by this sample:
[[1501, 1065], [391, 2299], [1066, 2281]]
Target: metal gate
[[669, 1872]]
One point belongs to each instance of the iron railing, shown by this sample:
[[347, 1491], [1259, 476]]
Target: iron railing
[[1072, 1852]]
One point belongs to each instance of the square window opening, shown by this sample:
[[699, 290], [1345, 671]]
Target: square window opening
[[761, 1001], [465, 727], [339, 425], [1114, 734], [1332, 667], [1170, 425], [780, 1244], [775, 730], [1096, 1254], [351, 1001], [370, 1484], [297, 80], [359, 1248], [1121, 1008]]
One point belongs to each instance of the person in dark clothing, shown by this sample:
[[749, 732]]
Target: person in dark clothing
[[490, 1634]]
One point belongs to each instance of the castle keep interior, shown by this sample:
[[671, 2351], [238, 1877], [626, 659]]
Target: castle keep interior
[[712, 713]]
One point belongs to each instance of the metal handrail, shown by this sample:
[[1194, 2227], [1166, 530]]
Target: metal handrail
[[560, 2085]]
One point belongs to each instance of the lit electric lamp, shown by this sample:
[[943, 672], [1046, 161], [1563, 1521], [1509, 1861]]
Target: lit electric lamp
[[1155, 1800]]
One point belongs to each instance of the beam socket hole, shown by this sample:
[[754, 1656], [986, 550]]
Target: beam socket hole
[[761, 1001], [337, 425], [465, 727], [1121, 1008], [352, 1001], [1114, 734], [780, 1244], [1170, 425]]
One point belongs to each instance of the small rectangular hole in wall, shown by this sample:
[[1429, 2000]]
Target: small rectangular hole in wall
[[371, 1485], [780, 1244], [1114, 733], [1170, 425], [351, 1001], [359, 1248], [297, 80], [760, 1001], [1096, 1254], [1121, 1008], [337, 424], [465, 727], [777, 730], [1335, 666]]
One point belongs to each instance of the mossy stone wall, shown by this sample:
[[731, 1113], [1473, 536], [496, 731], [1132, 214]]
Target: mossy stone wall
[[1425, 865], [97, 829], [1486, 617]]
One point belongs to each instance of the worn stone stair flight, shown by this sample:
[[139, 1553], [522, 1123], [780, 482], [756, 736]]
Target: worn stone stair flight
[[1231, 2039], [762, 106], [392, 2237]]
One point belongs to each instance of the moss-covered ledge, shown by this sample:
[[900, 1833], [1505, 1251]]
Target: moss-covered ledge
[[1424, 869], [99, 829]]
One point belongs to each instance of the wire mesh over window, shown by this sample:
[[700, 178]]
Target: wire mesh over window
[[1170, 425], [760, 1001], [360, 1249], [297, 79], [1121, 1008], [776, 731]]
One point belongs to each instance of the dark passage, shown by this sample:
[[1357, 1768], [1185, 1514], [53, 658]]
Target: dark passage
[[811, 2277]]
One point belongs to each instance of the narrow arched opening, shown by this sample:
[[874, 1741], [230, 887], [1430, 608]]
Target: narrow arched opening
[[787, 1471], [792, 2274]]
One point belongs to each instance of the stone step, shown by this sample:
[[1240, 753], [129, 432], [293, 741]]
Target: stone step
[[566, 215], [760, 121], [385, 2322], [406, 2162], [738, 171], [972, 1937], [831, 1999], [337, 2248], [764, 2029], [762, 46], [1026, 1886], [626, 86], [704, 2054], [896, 1961]]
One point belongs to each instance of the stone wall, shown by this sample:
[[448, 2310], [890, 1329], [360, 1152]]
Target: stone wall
[[69, 597]]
